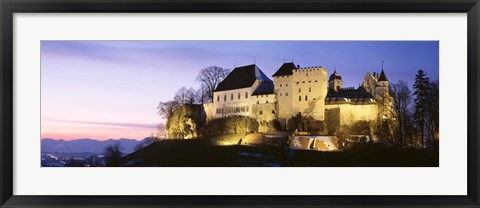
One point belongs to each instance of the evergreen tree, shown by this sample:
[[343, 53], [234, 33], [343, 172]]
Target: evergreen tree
[[421, 93]]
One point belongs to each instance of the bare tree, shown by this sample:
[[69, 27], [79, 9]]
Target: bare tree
[[201, 95], [433, 111], [161, 131], [166, 109], [401, 101], [185, 96], [210, 77], [113, 154]]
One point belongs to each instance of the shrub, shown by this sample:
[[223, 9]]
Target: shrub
[[231, 125]]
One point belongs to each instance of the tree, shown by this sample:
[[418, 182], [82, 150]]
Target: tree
[[166, 109], [401, 101], [210, 77], [433, 109], [421, 91], [113, 154], [161, 131], [185, 96], [202, 95]]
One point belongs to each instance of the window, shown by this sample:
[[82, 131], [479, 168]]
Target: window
[[258, 102], [239, 96], [218, 98], [231, 96], [280, 94], [298, 83], [307, 74], [261, 112], [315, 80], [262, 95], [246, 94], [303, 82], [273, 111], [286, 85], [299, 98], [280, 85], [266, 102], [286, 94], [306, 98], [309, 81], [225, 98], [266, 95], [299, 89], [309, 89], [314, 98]]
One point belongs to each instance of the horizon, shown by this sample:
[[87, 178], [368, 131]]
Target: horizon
[[110, 89]]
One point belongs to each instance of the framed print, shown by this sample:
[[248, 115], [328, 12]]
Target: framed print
[[231, 103]]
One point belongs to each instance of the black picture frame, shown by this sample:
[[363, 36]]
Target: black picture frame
[[10, 7]]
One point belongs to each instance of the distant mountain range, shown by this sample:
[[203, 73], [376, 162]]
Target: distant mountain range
[[87, 145]]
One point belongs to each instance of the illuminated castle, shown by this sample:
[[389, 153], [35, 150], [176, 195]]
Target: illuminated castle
[[249, 92]]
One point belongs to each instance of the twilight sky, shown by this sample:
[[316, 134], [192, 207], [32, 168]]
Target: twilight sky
[[110, 89]]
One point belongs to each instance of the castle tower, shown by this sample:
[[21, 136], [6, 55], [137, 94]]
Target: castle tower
[[382, 85], [335, 82]]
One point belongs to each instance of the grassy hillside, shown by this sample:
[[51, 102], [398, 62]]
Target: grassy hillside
[[255, 151]]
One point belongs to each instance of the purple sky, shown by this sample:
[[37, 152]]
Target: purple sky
[[110, 89]]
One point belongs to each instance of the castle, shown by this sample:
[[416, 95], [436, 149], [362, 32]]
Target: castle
[[247, 91]]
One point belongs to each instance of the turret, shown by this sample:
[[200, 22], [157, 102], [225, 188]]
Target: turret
[[335, 82]]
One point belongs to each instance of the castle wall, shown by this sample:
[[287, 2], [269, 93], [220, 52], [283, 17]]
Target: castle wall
[[348, 114], [309, 89], [232, 102], [283, 90]]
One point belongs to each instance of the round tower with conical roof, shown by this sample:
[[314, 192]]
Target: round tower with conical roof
[[335, 81]]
